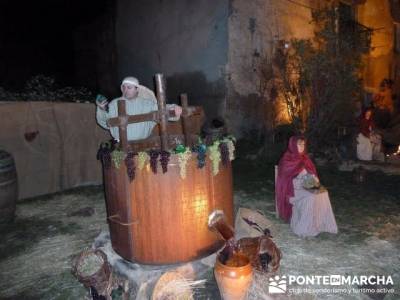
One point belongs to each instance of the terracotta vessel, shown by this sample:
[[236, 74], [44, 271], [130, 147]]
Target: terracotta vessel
[[233, 278]]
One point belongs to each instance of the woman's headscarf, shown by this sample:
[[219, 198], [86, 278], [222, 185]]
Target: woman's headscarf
[[290, 165]]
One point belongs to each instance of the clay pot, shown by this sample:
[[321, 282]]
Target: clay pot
[[233, 279]]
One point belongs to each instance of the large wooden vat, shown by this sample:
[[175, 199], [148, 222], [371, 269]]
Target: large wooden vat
[[162, 218]]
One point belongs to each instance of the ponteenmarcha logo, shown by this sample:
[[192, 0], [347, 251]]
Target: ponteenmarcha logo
[[277, 285], [339, 280], [281, 284]]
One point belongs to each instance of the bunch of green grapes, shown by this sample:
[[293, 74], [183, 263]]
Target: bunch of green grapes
[[142, 158], [215, 157], [117, 157], [183, 158]]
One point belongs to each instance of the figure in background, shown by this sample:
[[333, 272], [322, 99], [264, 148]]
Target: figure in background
[[383, 104], [306, 206], [369, 142], [139, 100]]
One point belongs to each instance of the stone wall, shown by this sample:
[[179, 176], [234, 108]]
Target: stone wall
[[184, 40], [213, 50], [255, 28], [376, 15]]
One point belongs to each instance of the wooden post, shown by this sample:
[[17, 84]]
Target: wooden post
[[122, 123], [185, 115], [160, 88]]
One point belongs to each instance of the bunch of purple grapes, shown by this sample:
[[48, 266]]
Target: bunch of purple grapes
[[104, 154], [201, 151], [164, 159], [153, 160], [130, 165], [223, 148]]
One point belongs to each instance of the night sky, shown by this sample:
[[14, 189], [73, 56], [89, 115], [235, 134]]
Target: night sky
[[42, 37]]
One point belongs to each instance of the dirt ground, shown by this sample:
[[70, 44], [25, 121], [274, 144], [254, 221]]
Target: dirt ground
[[36, 250]]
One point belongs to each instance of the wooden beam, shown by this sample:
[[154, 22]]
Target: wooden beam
[[122, 128], [151, 116], [185, 116], [160, 88]]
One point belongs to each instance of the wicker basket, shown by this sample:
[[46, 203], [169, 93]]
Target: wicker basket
[[101, 279], [169, 287]]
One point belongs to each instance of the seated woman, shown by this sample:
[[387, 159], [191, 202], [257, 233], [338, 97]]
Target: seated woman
[[308, 210], [368, 141]]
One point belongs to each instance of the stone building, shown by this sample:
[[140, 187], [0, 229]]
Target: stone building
[[216, 50]]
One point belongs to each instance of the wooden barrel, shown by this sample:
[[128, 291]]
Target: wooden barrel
[[8, 187], [162, 218]]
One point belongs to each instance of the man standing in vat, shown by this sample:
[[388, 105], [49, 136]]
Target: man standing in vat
[[139, 100]]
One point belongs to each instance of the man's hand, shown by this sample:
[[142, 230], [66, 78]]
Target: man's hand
[[102, 105], [101, 102], [175, 111], [178, 111]]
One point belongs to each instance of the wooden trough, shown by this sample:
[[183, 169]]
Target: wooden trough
[[161, 218]]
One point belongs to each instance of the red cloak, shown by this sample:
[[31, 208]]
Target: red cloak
[[366, 125], [290, 165]]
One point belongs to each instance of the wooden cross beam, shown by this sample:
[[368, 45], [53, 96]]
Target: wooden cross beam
[[123, 120]]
